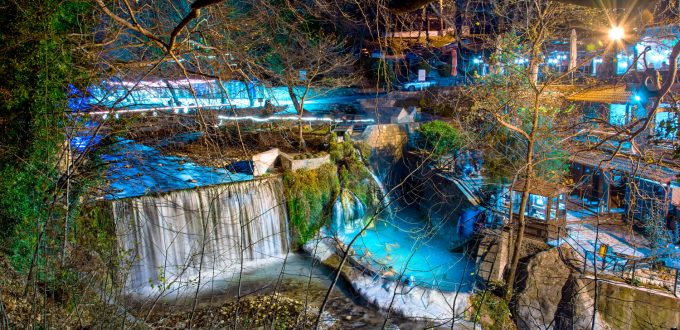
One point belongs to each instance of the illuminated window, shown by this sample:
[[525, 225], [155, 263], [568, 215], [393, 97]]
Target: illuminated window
[[622, 63], [618, 114], [666, 125]]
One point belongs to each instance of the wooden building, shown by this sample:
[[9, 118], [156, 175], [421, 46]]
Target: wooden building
[[546, 209]]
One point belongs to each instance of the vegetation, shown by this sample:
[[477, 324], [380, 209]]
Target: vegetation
[[309, 197], [36, 198], [353, 173], [310, 193], [439, 138], [380, 72], [491, 311], [273, 311]]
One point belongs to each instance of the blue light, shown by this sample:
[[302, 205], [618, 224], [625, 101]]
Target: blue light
[[637, 98]]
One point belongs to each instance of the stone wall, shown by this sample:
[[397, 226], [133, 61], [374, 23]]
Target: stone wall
[[627, 307], [393, 136], [493, 255], [388, 142]]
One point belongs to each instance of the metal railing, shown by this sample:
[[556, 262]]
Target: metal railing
[[637, 271]]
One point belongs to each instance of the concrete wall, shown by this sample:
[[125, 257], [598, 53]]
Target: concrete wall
[[290, 164], [626, 307]]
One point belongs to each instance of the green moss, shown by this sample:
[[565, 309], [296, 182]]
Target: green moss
[[352, 171], [491, 311], [309, 197], [310, 193], [95, 229]]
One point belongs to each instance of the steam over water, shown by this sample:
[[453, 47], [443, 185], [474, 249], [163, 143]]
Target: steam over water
[[170, 239]]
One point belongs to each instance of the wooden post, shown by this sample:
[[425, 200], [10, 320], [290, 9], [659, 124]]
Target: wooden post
[[623, 269], [632, 277]]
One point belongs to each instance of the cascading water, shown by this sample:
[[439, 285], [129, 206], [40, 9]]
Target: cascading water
[[348, 212], [173, 238], [385, 200]]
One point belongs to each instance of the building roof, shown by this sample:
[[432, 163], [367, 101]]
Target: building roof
[[627, 164], [540, 187], [603, 94]]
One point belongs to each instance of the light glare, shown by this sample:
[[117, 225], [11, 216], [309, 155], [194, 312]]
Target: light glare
[[616, 33]]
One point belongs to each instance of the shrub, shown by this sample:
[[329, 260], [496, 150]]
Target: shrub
[[491, 311], [439, 138]]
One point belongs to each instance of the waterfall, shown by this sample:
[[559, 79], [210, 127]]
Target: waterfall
[[386, 201], [348, 212], [171, 239]]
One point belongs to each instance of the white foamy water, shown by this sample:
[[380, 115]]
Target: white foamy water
[[170, 240]]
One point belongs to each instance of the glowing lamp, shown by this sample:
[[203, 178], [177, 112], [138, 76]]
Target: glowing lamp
[[616, 33], [637, 98]]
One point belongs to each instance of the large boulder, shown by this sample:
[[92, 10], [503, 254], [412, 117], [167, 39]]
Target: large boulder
[[551, 296]]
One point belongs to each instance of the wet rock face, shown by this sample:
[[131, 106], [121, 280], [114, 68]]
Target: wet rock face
[[552, 297]]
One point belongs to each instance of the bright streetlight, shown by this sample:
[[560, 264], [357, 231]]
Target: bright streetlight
[[616, 33]]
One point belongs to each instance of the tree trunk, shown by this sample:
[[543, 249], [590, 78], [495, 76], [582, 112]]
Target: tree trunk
[[299, 109], [521, 220], [300, 137], [518, 241]]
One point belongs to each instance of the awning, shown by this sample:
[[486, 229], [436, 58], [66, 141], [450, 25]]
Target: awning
[[603, 94], [630, 165]]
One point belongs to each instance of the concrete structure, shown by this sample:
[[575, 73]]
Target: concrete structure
[[289, 163], [264, 161], [493, 255], [405, 116]]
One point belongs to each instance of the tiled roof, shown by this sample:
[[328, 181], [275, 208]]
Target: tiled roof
[[602, 94], [630, 165]]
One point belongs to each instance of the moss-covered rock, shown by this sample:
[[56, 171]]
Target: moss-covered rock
[[309, 197]]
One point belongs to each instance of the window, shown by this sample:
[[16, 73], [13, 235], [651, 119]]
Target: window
[[622, 63], [536, 205], [665, 125], [618, 114], [558, 207]]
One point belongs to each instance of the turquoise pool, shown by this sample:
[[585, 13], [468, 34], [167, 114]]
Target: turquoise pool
[[415, 251]]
